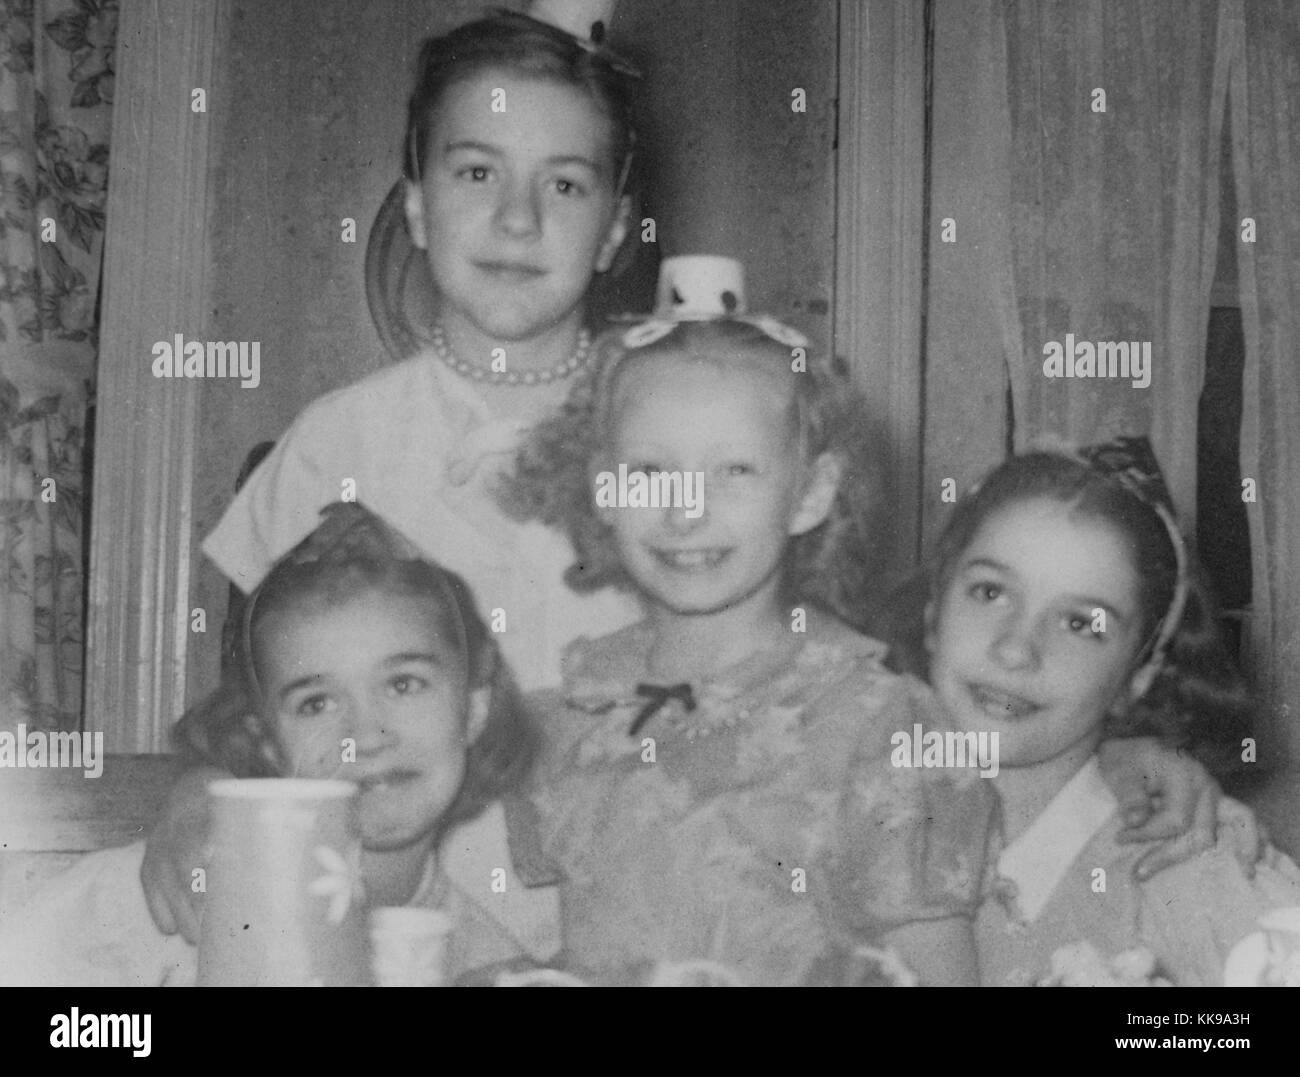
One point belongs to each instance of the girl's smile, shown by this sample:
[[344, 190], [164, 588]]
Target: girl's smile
[[692, 560], [732, 426], [1037, 631], [374, 672], [997, 703]]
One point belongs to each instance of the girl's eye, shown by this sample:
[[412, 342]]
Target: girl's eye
[[475, 173], [738, 468], [986, 592], [569, 187], [407, 684], [1082, 625], [313, 706]]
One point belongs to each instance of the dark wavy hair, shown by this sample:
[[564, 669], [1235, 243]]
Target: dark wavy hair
[[836, 565], [1198, 699], [229, 729], [524, 46]]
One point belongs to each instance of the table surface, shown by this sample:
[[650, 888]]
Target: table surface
[[62, 810]]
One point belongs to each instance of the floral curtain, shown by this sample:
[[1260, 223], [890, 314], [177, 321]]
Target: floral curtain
[[56, 94]]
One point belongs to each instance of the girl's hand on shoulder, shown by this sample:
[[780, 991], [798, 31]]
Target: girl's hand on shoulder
[[175, 847], [1166, 795]]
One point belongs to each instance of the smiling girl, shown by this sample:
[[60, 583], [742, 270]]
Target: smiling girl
[[1066, 608], [352, 637], [719, 784]]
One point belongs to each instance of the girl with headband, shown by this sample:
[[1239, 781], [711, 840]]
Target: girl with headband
[[354, 638], [1065, 608]]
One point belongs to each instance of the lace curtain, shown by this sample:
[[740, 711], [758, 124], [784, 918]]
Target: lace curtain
[[1076, 148], [1264, 41], [1075, 190], [56, 94]]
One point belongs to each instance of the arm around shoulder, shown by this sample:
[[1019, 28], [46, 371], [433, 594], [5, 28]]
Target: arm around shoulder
[[176, 847]]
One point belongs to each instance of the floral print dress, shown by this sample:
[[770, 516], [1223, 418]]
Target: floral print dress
[[755, 821]]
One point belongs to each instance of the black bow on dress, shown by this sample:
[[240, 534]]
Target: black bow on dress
[[657, 695]]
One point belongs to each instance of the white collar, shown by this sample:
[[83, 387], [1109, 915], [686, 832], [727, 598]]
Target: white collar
[[1039, 858]]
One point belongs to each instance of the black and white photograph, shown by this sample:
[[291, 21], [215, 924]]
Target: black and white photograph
[[655, 493]]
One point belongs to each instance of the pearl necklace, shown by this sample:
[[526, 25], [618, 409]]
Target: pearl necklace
[[691, 731], [511, 377]]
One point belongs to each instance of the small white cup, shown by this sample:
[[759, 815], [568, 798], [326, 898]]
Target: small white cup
[[1282, 938], [408, 946]]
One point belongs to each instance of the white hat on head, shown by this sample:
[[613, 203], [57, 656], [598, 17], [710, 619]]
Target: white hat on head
[[703, 288], [587, 20]]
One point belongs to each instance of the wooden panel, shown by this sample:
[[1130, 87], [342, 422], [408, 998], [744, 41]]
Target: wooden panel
[[730, 167], [155, 286], [309, 134]]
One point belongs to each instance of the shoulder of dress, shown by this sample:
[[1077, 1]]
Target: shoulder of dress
[[854, 663], [411, 381], [830, 639], [1218, 873], [867, 705], [603, 658]]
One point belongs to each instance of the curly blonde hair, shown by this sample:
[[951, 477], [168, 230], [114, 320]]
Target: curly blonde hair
[[836, 565]]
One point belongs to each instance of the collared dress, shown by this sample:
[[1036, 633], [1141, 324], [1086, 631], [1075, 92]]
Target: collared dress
[[767, 829], [1066, 880]]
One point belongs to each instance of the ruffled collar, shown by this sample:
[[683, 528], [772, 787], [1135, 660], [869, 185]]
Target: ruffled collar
[[601, 678]]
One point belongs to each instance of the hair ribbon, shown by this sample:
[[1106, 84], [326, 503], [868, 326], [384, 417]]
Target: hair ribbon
[[652, 330]]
